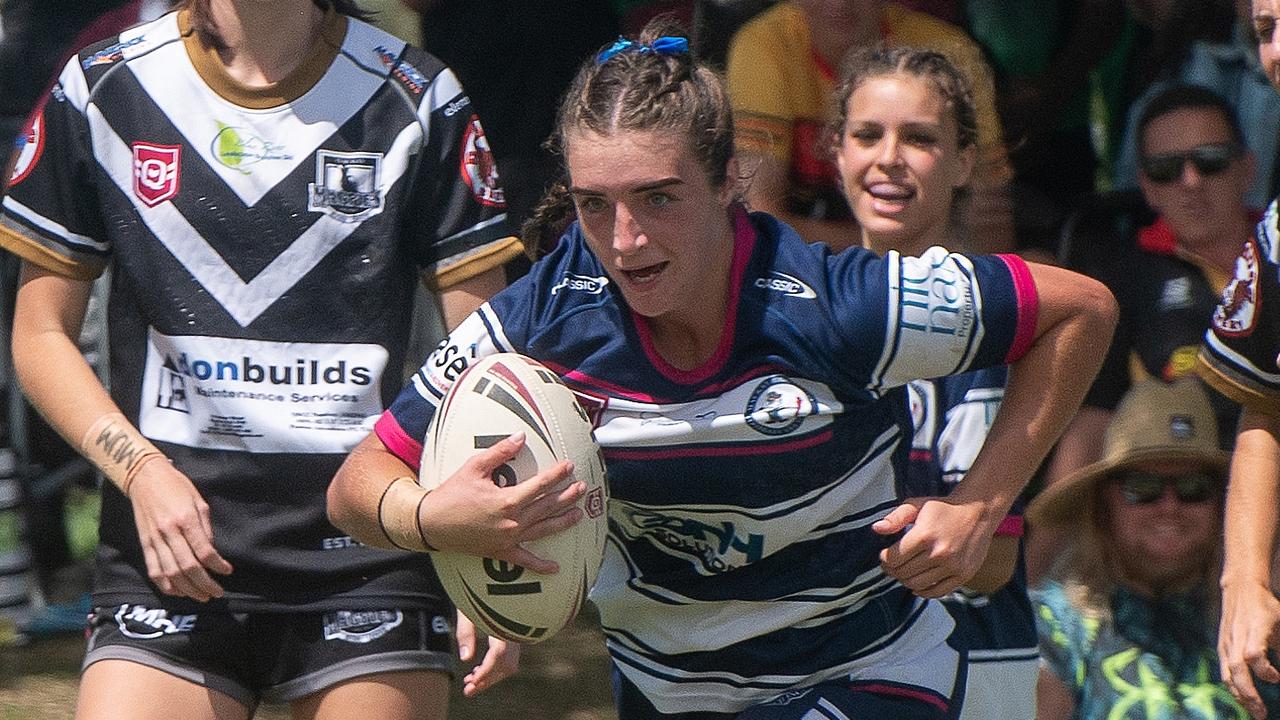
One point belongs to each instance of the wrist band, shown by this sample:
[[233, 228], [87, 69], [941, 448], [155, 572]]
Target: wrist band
[[116, 448], [399, 513]]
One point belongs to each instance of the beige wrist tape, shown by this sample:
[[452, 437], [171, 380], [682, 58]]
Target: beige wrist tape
[[400, 514], [117, 449]]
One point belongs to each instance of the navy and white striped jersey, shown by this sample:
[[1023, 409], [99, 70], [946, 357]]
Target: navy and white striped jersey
[[264, 246], [952, 416], [741, 560]]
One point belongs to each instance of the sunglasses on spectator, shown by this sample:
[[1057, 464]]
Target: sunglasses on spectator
[[1208, 159], [1140, 488]]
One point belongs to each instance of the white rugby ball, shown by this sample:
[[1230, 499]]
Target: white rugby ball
[[494, 397]]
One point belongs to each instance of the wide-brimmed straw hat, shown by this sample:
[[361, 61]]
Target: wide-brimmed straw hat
[[1155, 421]]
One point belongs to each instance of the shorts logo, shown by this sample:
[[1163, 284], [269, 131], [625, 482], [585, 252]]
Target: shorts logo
[[144, 623], [360, 626], [778, 406], [785, 284], [1238, 311], [479, 170], [581, 283], [27, 149], [155, 172], [348, 186]]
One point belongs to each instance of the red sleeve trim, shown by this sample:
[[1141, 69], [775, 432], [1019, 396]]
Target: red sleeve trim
[[1011, 526], [398, 442], [1024, 288]]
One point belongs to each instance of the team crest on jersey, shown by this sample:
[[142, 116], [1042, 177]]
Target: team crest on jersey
[[360, 626], [156, 172], [778, 406], [479, 169], [1238, 311], [348, 185], [27, 149]]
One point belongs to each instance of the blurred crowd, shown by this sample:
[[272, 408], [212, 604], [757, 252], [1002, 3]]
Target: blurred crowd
[[1135, 141]]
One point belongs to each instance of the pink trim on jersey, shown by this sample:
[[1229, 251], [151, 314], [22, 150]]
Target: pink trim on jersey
[[1028, 307], [753, 374], [898, 691], [744, 241], [398, 442], [588, 382], [922, 455], [722, 451], [1011, 526]]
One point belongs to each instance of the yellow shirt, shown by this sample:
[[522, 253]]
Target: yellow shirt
[[781, 94]]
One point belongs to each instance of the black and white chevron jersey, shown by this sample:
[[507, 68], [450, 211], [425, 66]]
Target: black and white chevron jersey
[[264, 246]]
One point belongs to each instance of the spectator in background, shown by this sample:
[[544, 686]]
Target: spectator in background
[[1044, 54], [781, 73], [1230, 68], [905, 122], [516, 59], [1167, 269], [1127, 619]]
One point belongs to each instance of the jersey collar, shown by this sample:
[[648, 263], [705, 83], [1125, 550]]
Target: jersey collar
[[333, 30]]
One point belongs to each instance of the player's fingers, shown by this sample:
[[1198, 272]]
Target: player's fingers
[[525, 559], [554, 524], [199, 539], [551, 504], [154, 571], [171, 580], [897, 520], [466, 635], [1261, 665], [1240, 683], [494, 456], [191, 573], [547, 482], [895, 557]]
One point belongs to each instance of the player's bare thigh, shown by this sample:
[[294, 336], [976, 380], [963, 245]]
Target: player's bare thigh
[[124, 690], [396, 695]]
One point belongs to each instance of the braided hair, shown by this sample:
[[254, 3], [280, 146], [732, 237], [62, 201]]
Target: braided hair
[[638, 85]]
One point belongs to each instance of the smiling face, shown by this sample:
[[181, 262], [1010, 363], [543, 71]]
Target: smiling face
[[900, 162], [1165, 543], [656, 222]]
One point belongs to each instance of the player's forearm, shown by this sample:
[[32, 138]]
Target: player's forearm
[[1046, 387], [48, 364], [358, 492], [1252, 498]]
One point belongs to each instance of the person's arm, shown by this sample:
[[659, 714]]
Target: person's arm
[[1053, 698], [948, 537], [172, 518], [1250, 624], [461, 299], [997, 567]]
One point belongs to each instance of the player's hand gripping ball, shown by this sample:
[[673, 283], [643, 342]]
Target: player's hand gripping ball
[[495, 397]]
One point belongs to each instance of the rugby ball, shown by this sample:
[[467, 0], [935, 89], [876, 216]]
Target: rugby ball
[[493, 398]]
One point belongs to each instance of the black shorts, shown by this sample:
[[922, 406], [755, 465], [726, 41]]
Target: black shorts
[[273, 657]]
